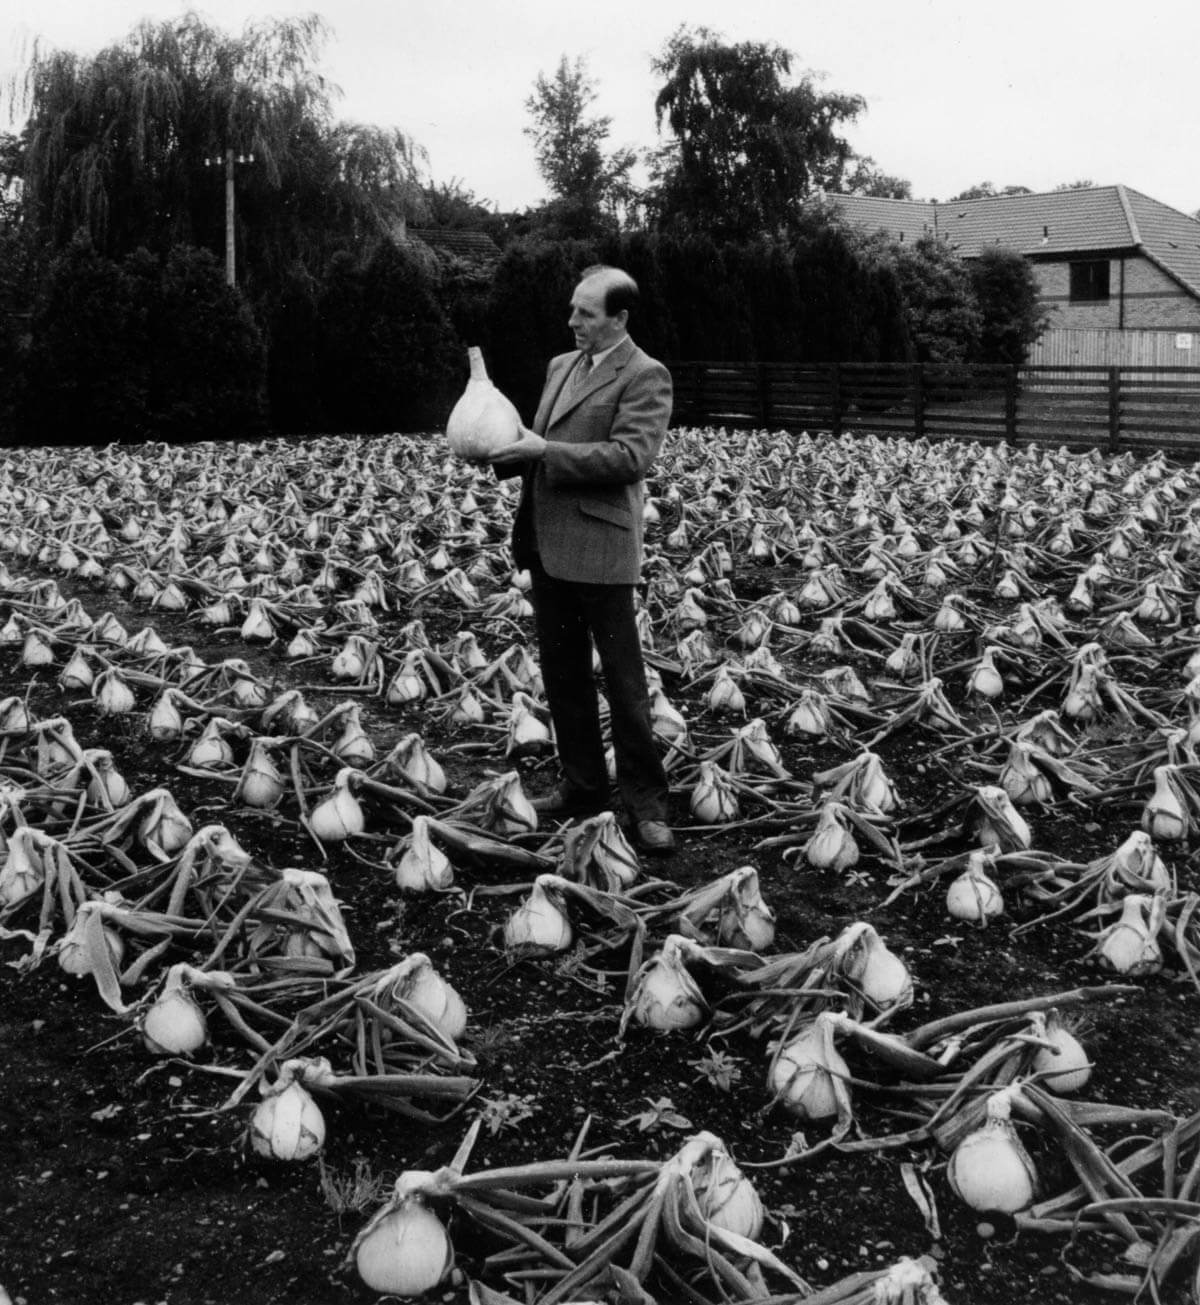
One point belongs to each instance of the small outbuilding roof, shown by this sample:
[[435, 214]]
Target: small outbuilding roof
[[1095, 220], [470, 246]]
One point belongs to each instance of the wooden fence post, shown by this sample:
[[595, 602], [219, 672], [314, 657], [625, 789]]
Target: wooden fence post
[[1114, 407], [835, 398], [1010, 403], [918, 382]]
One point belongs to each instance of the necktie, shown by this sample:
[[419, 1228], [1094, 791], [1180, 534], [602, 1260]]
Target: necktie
[[583, 370]]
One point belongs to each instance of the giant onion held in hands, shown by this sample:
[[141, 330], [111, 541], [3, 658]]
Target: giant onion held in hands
[[483, 420]]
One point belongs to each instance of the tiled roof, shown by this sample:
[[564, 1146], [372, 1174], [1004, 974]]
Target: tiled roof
[[472, 246], [1169, 237], [1058, 222], [902, 219]]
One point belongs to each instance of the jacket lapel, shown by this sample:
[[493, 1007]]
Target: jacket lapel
[[567, 400]]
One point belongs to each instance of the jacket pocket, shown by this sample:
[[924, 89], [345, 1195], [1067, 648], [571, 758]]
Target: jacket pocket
[[614, 513]]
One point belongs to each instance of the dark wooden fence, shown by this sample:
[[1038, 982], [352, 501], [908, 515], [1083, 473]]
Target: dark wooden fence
[[1110, 407]]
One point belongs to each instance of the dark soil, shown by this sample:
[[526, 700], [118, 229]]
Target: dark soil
[[122, 1180]]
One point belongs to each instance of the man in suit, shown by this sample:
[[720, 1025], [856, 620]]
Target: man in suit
[[599, 426]]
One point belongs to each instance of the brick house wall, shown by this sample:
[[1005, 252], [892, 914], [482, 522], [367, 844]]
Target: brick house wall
[[1151, 299]]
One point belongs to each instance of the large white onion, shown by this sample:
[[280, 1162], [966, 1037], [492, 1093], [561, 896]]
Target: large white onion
[[483, 420], [540, 925], [404, 1250], [339, 815], [1063, 1060], [421, 867], [804, 1075], [725, 1195], [990, 1169], [174, 1025], [665, 996]]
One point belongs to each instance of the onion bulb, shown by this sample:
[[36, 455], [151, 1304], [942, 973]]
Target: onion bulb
[[353, 746], [415, 981], [808, 1074], [21, 871], [261, 782], [404, 1250], [112, 695], [211, 751], [666, 721], [1063, 1062], [422, 867], [287, 1123], [665, 996], [1130, 945], [713, 799], [1139, 865], [1165, 816], [409, 760], [990, 1168], [725, 695], [483, 420], [77, 673], [998, 821], [164, 828], [174, 1025], [89, 946], [165, 721], [339, 815], [866, 961], [832, 845], [974, 895], [810, 715], [540, 926], [745, 920], [725, 1195], [528, 734]]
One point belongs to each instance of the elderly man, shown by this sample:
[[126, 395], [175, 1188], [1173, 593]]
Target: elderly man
[[599, 426]]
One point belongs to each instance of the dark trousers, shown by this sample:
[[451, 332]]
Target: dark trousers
[[569, 617]]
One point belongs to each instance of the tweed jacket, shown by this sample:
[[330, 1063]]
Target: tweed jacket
[[581, 503]]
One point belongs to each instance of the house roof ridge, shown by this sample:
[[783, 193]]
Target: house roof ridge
[[1158, 234], [1033, 194], [1129, 217]]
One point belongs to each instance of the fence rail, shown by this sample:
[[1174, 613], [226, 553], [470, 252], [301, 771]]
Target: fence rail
[[1111, 407]]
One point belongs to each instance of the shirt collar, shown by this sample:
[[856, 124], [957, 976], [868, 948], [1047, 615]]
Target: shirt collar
[[599, 357]]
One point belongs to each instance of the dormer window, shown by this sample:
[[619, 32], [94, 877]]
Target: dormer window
[[1089, 281]]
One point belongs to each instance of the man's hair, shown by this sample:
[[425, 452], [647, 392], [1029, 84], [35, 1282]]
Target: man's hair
[[620, 289]]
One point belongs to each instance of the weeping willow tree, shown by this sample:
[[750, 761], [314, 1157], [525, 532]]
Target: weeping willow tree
[[115, 191], [116, 144]]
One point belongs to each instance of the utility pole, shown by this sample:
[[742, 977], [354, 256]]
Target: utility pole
[[230, 243], [229, 160]]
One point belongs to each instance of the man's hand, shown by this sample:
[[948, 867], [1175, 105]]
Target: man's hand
[[529, 448]]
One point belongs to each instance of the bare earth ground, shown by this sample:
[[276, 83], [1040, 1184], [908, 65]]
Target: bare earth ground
[[121, 1181]]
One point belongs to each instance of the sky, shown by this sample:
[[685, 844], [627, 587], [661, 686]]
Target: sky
[[1026, 92]]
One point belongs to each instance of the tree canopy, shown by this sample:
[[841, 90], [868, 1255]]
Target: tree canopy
[[746, 145], [116, 144], [588, 186], [985, 190]]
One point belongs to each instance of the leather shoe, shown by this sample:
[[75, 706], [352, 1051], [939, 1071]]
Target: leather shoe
[[655, 836], [564, 804]]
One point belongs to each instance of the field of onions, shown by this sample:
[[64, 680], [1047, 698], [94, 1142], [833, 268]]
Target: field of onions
[[300, 1004]]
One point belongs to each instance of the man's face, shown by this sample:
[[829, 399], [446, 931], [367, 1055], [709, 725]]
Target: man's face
[[594, 330]]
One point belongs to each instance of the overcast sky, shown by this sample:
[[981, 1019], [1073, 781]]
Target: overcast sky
[[1027, 92]]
